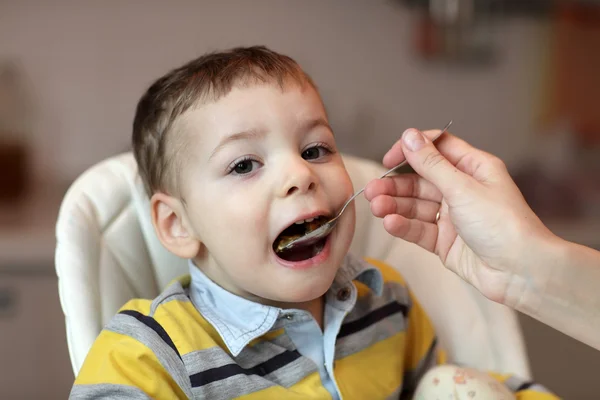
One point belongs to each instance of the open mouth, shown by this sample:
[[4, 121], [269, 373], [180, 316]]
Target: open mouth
[[294, 231]]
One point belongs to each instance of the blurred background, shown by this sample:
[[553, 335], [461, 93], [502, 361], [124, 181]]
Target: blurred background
[[518, 77]]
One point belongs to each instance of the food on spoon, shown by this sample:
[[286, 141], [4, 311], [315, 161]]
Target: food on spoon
[[297, 230]]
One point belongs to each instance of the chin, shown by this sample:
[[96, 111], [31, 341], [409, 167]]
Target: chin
[[303, 293], [295, 287], [310, 278]]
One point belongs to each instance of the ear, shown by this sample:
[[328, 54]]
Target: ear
[[172, 227]]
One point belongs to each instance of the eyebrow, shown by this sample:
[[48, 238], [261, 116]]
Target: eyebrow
[[314, 123], [243, 135], [254, 134]]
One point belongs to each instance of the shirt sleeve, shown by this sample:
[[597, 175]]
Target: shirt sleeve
[[422, 348], [131, 359]]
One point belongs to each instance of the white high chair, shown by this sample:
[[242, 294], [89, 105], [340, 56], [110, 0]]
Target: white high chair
[[107, 253]]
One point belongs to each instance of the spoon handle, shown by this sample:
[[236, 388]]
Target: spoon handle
[[402, 164]]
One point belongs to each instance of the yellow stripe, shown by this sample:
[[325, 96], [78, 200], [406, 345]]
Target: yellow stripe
[[361, 289], [533, 395], [373, 373], [442, 356], [191, 332], [119, 359], [420, 332], [308, 388], [140, 305], [187, 328], [420, 335]]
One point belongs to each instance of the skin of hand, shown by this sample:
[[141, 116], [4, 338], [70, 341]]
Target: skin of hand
[[486, 233]]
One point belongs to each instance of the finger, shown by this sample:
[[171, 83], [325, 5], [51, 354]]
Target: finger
[[447, 237], [405, 185], [395, 155], [465, 157], [461, 154], [418, 232], [428, 162], [407, 207]]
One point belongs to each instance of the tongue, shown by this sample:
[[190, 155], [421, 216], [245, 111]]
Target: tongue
[[301, 253]]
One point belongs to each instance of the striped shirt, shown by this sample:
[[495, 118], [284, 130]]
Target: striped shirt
[[198, 341]]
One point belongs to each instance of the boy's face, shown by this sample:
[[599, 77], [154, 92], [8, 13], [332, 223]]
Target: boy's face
[[259, 160]]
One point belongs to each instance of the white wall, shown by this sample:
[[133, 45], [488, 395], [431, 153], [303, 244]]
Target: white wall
[[90, 61]]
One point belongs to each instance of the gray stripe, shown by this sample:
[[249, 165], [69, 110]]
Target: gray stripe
[[412, 377], [251, 356], [215, 357], [201, 360], [240, 385], [392, 291], [377, 332], [395, 395], [513, 382], [107, 391], [127, 325], [293, 373], [173, 292], [539, 388]]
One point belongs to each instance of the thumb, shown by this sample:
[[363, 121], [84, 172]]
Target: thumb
[[428, 162]]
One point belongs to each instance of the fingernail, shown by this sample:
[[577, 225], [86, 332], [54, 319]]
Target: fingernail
[[413, 139]]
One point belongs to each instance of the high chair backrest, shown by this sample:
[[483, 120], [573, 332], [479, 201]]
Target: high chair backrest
[[107, 253]]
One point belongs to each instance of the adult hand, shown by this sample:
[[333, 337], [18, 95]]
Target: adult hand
[[486, 232]]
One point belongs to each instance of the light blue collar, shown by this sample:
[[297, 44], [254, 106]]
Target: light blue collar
[[239, 321]]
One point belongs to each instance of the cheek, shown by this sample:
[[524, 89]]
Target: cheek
[[340, 182], [237, 212]]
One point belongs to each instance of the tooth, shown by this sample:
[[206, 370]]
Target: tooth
[[309, 219], [299, 222]]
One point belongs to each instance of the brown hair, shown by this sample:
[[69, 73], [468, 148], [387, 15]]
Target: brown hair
[[206, 78]]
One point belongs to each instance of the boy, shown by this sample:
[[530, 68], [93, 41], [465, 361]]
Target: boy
[[235, 151]]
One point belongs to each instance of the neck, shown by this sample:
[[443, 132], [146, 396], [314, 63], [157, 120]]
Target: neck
[[314, 307]]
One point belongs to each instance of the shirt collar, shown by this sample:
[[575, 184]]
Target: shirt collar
[[239, 321]]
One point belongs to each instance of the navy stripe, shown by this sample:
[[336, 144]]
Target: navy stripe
[[154, 325], [524, 386], [229, 370], [372, 318]]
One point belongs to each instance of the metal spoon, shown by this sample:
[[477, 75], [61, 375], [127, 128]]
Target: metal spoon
[[323, 230]]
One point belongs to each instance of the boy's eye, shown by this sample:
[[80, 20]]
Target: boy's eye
[[315, 152], [244, 167]]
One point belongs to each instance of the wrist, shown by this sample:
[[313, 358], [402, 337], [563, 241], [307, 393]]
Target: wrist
[[534, 271]]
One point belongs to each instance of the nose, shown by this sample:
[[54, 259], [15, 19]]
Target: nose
[[298, 178]]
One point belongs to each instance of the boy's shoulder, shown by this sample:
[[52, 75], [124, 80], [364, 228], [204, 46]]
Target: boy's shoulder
[[172, 316], [154, 335], [176, 291]]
